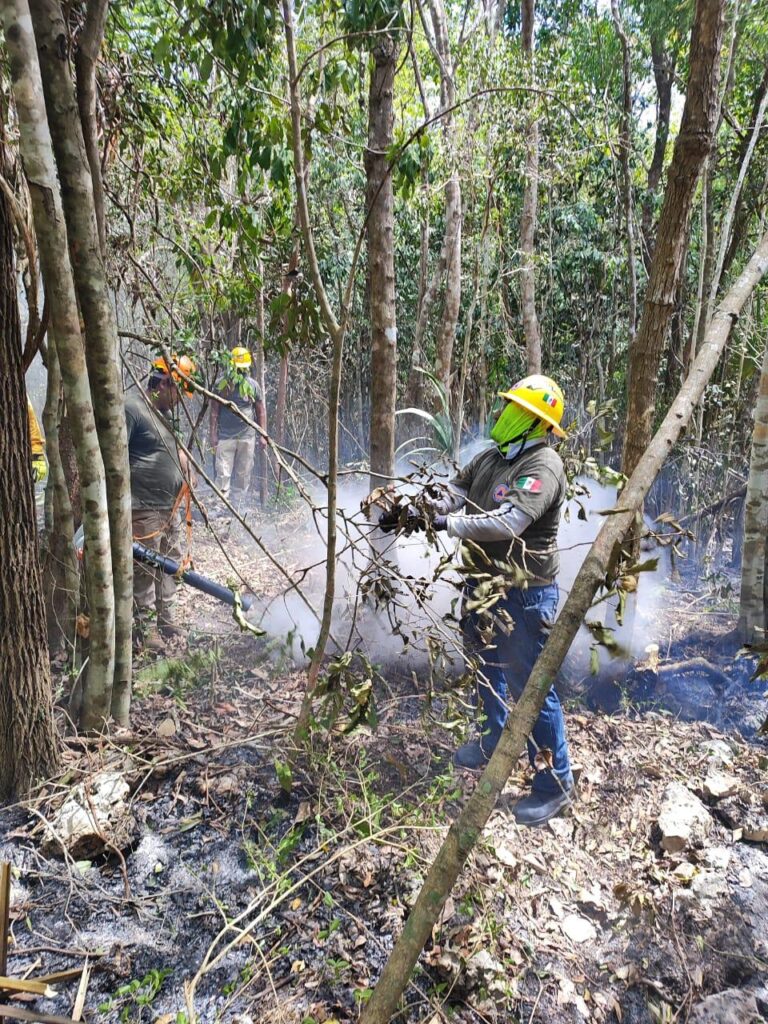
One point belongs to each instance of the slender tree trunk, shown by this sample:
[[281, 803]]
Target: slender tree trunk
[[625, 153], [468, 827], [28, 741], [336, 329], [446, 334], [742, 211], [727, 223], [380, 207], [664, 75], [531, 330], [37, 155], [89, 46], [752, 611], [261, 453], [281, 403], [101, 344], [61, 573], [692, 147]]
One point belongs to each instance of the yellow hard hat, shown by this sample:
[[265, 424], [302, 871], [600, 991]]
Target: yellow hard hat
[[541, 396], [183, 367], [241, 358]]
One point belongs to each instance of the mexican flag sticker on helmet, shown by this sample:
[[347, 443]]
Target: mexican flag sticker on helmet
[[528, 483]]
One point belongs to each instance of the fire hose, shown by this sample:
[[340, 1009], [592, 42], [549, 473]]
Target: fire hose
[[189, 576], [171, 567]]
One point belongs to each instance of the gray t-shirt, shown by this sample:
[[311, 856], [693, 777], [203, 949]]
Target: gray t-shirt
[[156, 477], [245, 396], [534, 483]]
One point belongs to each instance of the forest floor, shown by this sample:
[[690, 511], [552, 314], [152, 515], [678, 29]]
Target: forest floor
[[235, 892]]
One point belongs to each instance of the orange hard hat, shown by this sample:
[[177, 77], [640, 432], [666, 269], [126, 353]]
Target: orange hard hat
[[182, 367]]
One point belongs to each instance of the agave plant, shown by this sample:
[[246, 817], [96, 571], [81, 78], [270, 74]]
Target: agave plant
[[439, 422]]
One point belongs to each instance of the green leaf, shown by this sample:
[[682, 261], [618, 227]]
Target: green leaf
[[284, 775]]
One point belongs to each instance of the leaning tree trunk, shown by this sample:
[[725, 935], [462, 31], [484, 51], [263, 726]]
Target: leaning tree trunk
[[101, 344], [531, 329], [37, 155], [752, 612], [28, 743], [692, 147], [468, 827], [381, 261]]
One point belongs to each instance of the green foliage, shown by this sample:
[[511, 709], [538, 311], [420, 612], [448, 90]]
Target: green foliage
[[136, 997], [439, 422]]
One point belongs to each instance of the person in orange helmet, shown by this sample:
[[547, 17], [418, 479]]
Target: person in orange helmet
[[159, 475]]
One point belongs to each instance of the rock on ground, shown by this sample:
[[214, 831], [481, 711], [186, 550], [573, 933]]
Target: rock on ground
[[733, 1006], [683, 819]]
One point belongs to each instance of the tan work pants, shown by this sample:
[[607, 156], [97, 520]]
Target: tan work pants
[[234, 464], [153, 590]]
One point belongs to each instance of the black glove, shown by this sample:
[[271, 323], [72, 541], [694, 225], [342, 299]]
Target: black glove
[[389, 521], [413, 521], [439, 523]]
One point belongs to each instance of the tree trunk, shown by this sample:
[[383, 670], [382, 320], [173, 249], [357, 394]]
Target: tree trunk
[[258, 369], [87, 54], [336, 329], [664, 74], [752, 611], [468, 827], [101, 344], [531, 330], [692, 147], [28, 741], [61, 573], [625, 152], [742, 211], [380, 203], [37, 155], [446, 334]]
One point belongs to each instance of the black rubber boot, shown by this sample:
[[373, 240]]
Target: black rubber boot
[[538, 808], [471, 756]]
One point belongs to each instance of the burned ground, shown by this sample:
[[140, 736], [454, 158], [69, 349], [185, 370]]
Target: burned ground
[[248, 892]]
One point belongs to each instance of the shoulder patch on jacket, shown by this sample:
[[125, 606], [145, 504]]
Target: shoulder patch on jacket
[[500, 493], [528, 483]]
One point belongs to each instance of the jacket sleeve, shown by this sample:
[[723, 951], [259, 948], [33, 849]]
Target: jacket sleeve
[[36, 438], [503, 524]]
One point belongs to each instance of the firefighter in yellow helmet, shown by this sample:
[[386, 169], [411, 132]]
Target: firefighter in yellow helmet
[[233, 441], [159, 478], [507, 502], [37, 444]]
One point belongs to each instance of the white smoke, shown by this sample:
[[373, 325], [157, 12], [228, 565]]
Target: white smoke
[[397, 633]]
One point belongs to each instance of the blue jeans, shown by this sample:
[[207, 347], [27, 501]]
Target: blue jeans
[[506, 662]]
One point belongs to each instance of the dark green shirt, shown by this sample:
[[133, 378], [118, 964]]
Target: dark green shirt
[[156, 477], [534, 483]]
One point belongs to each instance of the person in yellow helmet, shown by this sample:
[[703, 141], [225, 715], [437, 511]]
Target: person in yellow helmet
[[37, 444], [159, 474], [232, 440], [507, 503]]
